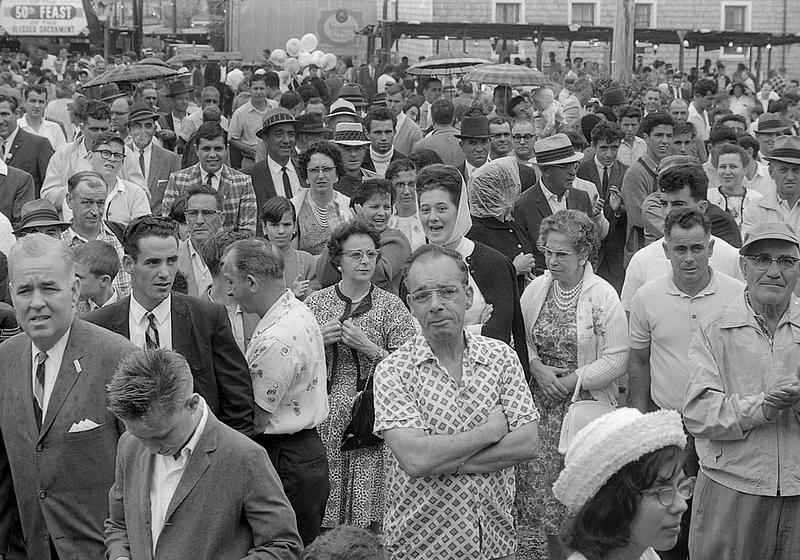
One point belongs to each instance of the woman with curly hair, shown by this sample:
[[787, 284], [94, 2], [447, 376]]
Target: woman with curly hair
[[624, 486], [576, 332], [319, 208]]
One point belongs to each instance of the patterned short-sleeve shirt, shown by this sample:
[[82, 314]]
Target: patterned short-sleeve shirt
[[450, 516]]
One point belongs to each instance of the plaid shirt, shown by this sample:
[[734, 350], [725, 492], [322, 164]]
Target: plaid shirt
[[448, 515], [122, 282], [240, 206]]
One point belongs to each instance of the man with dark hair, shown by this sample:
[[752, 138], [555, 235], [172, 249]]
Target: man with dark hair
[[651, 101], [21, 149], [208, 492], [704, 92], [737, 122], [683, 186], [499, 137], [240, 206], [640, 179], [58, 439], [368, 76], [632, 146], [33, 120], [248, 120], [442, 138], [606, 172], [379, 125], [756, 172], [683, 139], [431, 91], [287, 363], [407, 132], [155, 317], [205, 217], [293, 102], [73, 157]]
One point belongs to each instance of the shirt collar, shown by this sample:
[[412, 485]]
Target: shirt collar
[[191, 445], [3, 168], [550, 195], [113, 299], [56, 349], [161, 311], [11, 137], [710, 288], [278, 310], [424, 353], [741, 314], [277, 168]]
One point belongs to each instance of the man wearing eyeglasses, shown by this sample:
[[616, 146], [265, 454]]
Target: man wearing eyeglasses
[[125, 200], [500, 145], [741, 405], [457, 415], [523, 134], [205, 217]]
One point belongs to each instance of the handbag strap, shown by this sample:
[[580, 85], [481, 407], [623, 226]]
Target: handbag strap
[[577, 390]]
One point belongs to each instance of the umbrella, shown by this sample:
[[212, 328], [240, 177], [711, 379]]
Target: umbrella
[[185, 57], [131, 73], [151, 60], [506, 75], [445, 64]]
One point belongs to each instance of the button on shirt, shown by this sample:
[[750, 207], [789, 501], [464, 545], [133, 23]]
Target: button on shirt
[[552, 199], [276, 170], [51, 367], [663, 319], [450, 516], [286, 357], [138, 322], [167, 474]]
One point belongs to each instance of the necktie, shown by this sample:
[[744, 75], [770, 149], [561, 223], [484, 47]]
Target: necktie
[[38, 387], [3, 150], [209, 180], [151, 341], [287, 186], [605, 182], [141, 162]]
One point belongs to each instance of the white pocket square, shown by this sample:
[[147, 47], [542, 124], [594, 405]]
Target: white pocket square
[[83, 426]]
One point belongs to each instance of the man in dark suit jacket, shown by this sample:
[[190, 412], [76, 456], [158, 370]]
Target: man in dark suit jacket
[[557, 161], [59, 441], [199, 330], [606, 172], [16, 188], [368, 77], [156, 163], [224, 470], [20, 148]]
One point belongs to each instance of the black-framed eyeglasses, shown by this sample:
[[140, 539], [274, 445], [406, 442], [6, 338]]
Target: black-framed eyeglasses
[[666, 496], [764, 261], [108, 154], [445, 293], [526, 137]]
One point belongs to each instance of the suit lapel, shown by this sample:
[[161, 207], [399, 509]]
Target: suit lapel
[[142, 478], [67, 376], [120, 321], [156, 161], [18, 141], [540, 202], [181, 337], [23, 391]]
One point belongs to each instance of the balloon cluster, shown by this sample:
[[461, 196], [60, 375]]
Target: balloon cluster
[[300, 53]]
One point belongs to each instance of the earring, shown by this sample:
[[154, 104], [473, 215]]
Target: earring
[[581, 263]]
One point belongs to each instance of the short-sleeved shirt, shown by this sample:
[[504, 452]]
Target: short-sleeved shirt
[[664, 319], [247, 121], [449, 515], [286, 357]]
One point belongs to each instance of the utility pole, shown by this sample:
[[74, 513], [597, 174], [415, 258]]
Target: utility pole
[[175, 17], [622, 47]]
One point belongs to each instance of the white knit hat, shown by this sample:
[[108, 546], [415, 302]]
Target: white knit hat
[[607, 444]]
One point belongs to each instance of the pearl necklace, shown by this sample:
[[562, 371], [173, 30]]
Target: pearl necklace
[[320, 214], [566, 299]]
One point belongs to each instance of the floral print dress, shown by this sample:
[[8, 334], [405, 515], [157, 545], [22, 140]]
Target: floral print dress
[[357, 495]]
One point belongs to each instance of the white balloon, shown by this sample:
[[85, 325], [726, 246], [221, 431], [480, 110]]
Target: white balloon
[[316, 57], [308, 42], [291, 66], [329, 61], [284, 77], [293, 46], [304, 59], [278, 57]]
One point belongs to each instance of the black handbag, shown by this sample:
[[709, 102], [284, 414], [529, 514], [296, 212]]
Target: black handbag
[[359, 432]]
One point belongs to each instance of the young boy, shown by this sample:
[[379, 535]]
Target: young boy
[[96, 265]]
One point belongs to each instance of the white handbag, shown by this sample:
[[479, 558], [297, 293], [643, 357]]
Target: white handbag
[[579, 414]]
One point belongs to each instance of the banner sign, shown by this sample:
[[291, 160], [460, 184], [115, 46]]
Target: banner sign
[[43, 18]]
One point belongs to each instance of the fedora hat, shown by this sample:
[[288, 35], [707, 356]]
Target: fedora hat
[[39, 213], [341, 107], [555, 150], [780, 231], [178, 87], [277, 116], [141, 111], [110, 92], [772, 122], [474, 127], [350, 134], [353, 94], [785, 149], [311, 123], [613, 96]]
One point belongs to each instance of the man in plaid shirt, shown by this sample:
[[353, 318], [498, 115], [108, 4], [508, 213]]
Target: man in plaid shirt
[[240, 206]]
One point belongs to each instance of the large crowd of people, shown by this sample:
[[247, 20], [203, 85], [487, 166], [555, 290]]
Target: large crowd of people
[[356, 314]]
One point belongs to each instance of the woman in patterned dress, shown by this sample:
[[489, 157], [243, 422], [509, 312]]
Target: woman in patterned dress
[[575, 325], [319, 208], [361, 324]]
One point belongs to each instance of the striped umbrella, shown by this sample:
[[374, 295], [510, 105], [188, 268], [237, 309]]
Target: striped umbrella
[[445, 64], [507, 75]]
